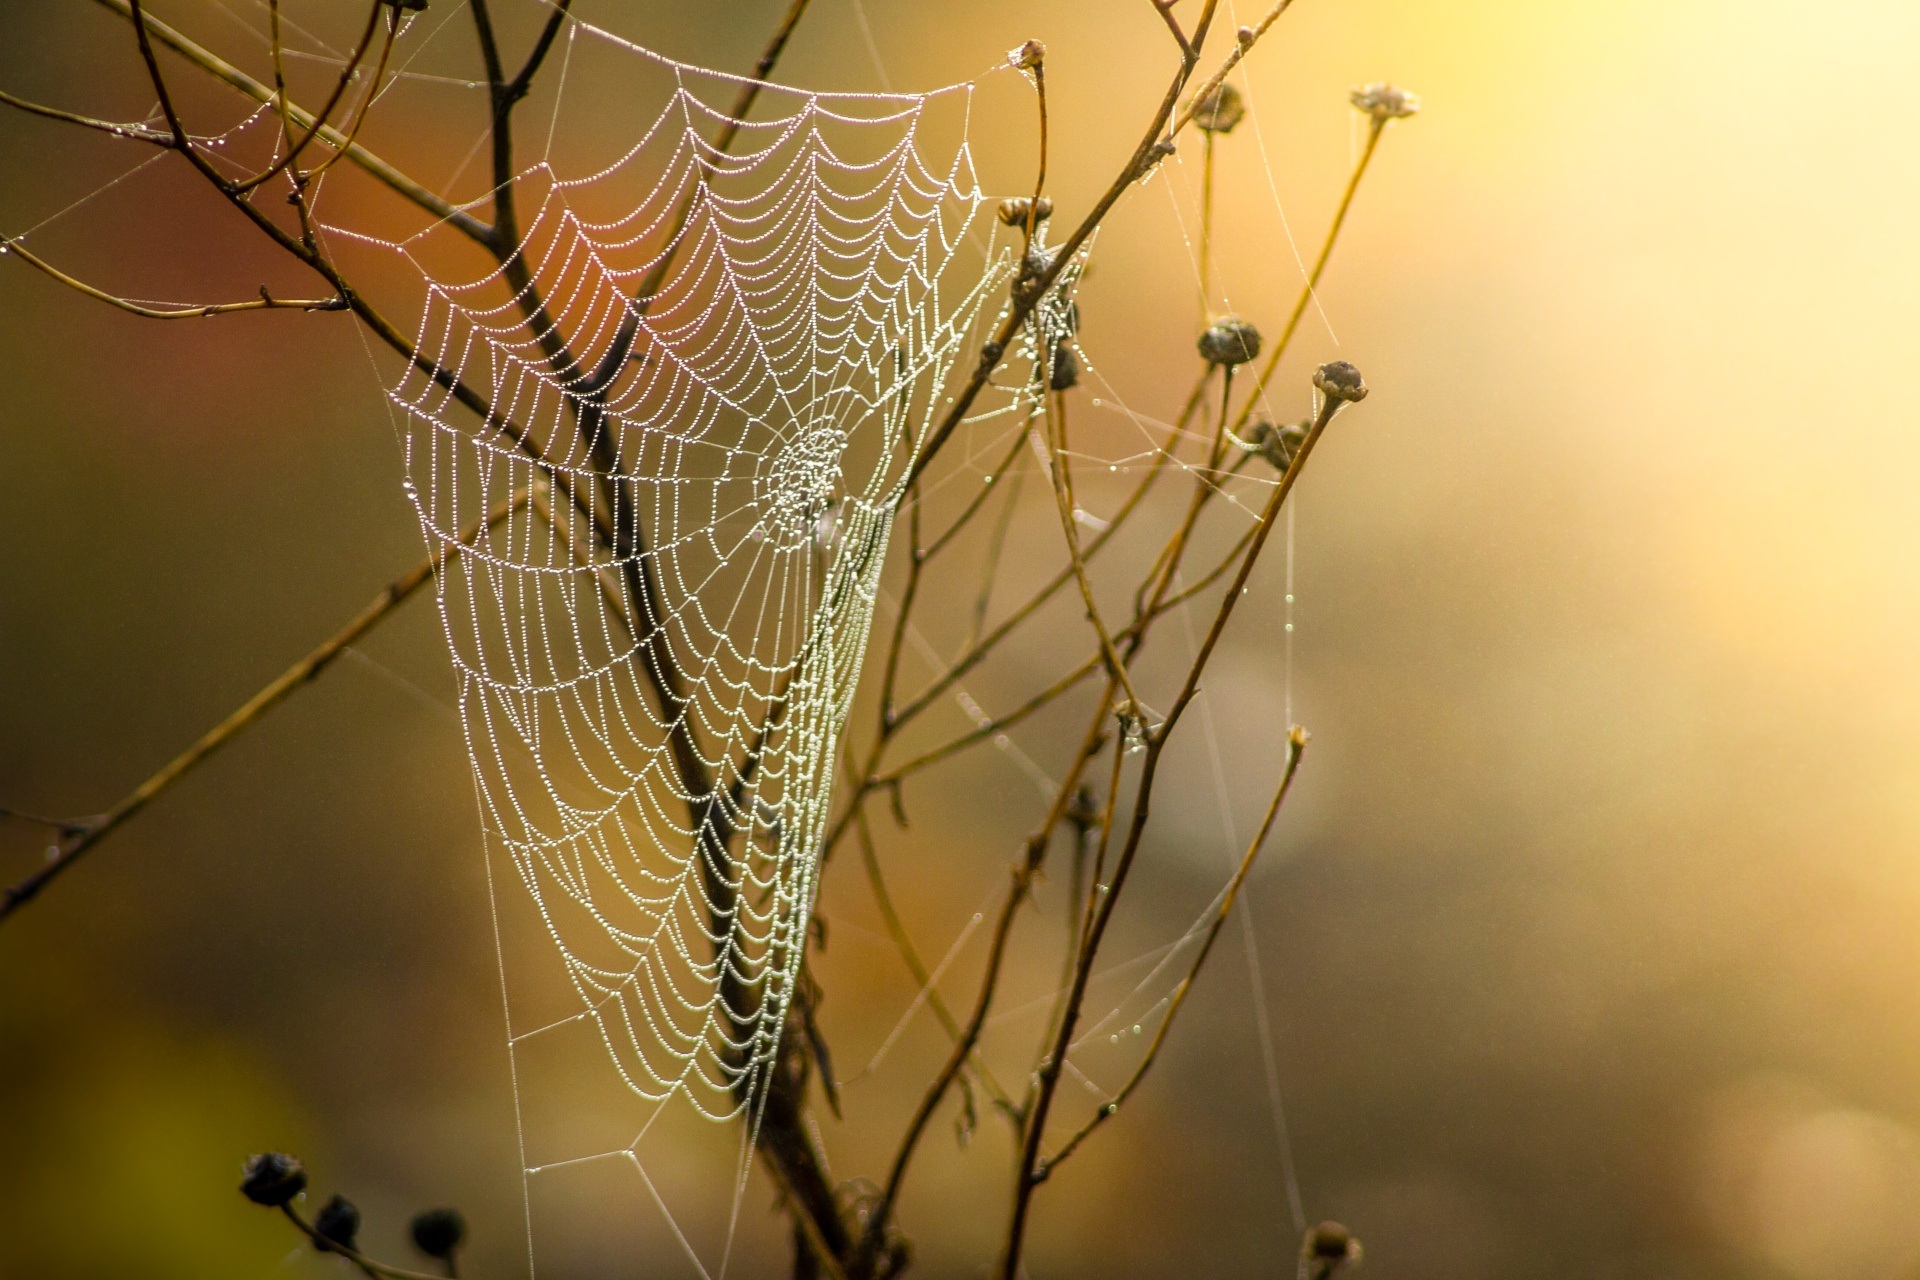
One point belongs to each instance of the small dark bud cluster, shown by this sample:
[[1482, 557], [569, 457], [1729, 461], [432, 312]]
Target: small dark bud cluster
[[1014, 212], [1278, 445], [1229, 342], [1246, 37], [337, 1224], [1384, 102], [438, 1232], [1326, 1249], [1065, 373], [1340, 381], [272, 1179], [1220, 110]]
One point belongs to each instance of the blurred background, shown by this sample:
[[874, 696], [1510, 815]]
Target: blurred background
[[1588, 944]]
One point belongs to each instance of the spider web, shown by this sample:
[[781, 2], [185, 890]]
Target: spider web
[[712, 370]]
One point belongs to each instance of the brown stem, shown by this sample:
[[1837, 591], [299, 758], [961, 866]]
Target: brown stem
[[265, 302], [1296, 744], [1050, 1071], [248, 713]]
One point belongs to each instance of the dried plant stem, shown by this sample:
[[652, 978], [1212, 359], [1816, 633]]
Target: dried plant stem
[[319, 121], [248, 713], [1063, 501], [1296, 744], [265, 302], [1375, 128], [910, 955], [1240, 50], [138, 132], [1106, 895], [397, 181]]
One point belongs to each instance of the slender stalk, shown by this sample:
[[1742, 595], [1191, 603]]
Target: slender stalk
[[140, 133], [1296, 744], [265, 302], [1109, 893], [1375, 128], [300, 674], [221, 69]]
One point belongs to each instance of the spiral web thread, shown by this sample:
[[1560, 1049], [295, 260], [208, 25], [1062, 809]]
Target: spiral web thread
[[783, 319]]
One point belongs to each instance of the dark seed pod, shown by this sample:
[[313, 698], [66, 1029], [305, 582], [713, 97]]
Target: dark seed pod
[[1065, 374], [1220, 110], [1339, 380], [1229, 342], [1014, 212], [438, 1232], [337, 1224], [1027, 56], [272, 1179], [1326, 1249]]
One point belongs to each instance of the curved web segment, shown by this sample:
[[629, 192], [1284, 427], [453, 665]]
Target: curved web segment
[[718, 368]]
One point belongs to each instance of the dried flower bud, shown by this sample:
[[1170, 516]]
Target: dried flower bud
[[272, 1179], [1246, 36], [1339, 380], [337, 1223], [438, 1232], [1384, 102], [1229, 342], [1220, 110], [1027, 56], [1014, 212], [1278, 445], [1326, 1249], [1065, 373]]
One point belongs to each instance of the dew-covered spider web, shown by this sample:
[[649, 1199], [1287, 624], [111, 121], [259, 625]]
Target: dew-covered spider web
[[710, 372]]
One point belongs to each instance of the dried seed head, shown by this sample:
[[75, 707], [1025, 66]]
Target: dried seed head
[[272, 1179], [1278, 445], [1014, 212], [1340, 381], [1027, 56], [337, 1223], [438, 1232], [1328, 1246], [1229, 342], [1384, 102], [1065, 373], [1220, 110]]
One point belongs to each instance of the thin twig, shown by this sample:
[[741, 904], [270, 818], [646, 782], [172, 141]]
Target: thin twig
[[265, 302], [248, 713], [1296, 744], [221, 69], [138, 132], [1375, 128]]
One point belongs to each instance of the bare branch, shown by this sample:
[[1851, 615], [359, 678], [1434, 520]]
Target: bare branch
[[250, 712], [399, 182], [1296, 744], [265, 302], [138, 132]]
